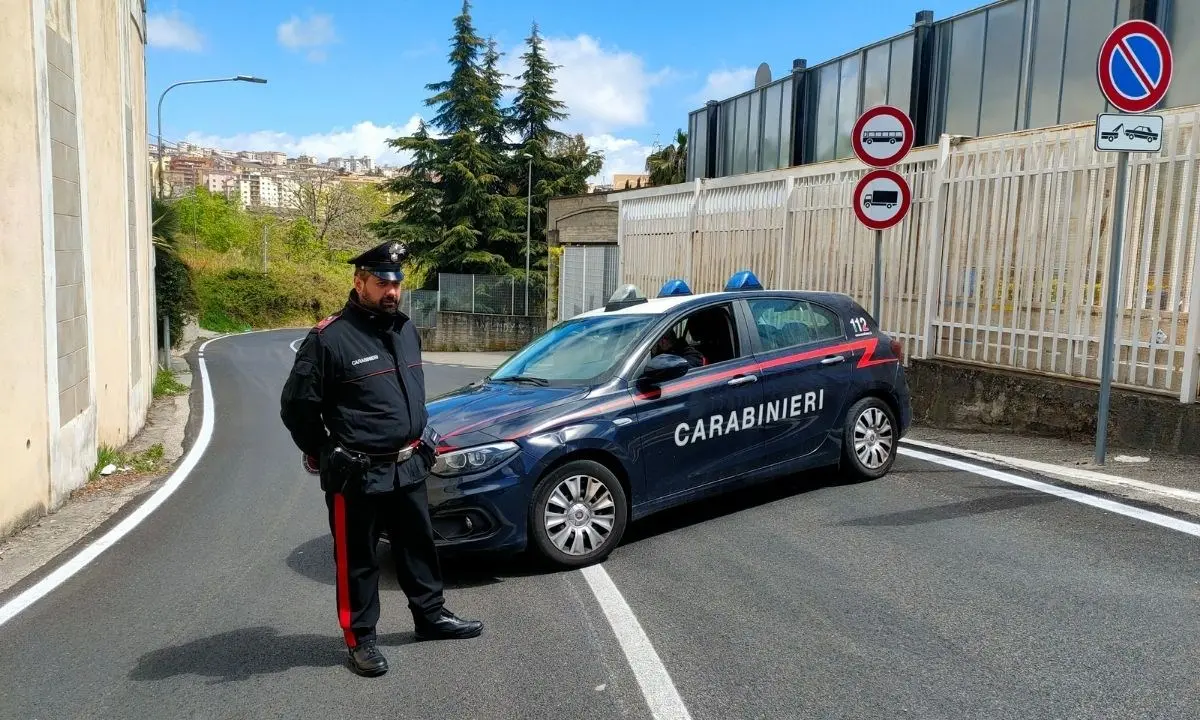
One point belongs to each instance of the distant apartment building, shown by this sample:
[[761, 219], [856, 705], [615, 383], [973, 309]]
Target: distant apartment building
[[78, 260], [262, 190], [357, 166]]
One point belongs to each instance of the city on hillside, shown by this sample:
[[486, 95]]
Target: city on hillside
[[271, 180]]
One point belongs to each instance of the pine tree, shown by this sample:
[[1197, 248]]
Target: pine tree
[[535, 107], [458, 173], [560, 163]]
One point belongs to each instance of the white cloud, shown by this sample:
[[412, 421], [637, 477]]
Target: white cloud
[[722, 84], [364, 138], [604, 90], [172, 32], [313, 34], [621, 155]]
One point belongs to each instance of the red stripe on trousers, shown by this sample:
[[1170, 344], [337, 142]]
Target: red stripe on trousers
[[342, 562]]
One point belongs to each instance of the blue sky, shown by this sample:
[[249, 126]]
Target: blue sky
[[344, 76]]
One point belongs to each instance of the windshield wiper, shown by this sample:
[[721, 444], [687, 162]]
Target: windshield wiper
[[543, 382]]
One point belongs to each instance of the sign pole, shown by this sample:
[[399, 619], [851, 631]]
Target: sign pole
[[881, 137], [878, 275], [1134, 69], [1110, 310]]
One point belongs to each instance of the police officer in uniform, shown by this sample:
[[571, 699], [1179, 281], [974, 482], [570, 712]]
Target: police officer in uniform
[[354, 403]]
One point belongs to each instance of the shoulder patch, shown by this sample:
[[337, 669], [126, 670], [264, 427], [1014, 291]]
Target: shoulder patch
[[327, 321]]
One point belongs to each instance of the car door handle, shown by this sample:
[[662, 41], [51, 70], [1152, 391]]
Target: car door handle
[[833, 360], [743, 379]]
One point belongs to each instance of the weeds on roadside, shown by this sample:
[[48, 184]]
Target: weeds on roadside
[[166, 384], [143, 462]]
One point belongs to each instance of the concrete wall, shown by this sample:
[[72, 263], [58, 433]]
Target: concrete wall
[[468, 332], [80, 377], [975, 398]]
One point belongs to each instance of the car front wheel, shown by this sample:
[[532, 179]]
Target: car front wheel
[[578, 514], [869, 440]]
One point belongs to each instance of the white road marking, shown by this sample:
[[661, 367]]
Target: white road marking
[[1136, 513], [656, 684], [60, 574], [295, 345], [1063, 472]]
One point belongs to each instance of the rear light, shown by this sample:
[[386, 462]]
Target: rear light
[[897, 348]]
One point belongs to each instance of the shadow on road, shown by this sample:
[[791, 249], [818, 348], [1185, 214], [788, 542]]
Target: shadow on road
[[729, 503], [314, 560], [242, 654], [966, 508]]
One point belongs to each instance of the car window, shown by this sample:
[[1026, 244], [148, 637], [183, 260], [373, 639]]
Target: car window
[[577, 350], [784, 322], [704, 337]]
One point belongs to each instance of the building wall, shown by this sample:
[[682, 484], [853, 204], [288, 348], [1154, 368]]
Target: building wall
[[25, 440], [70, 234], [1003, 66]]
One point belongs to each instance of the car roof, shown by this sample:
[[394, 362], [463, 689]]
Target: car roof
[[662, 306]]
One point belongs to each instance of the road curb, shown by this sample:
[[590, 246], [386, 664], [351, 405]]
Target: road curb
[[1074, 476]]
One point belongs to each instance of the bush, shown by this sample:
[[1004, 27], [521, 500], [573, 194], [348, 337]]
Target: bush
[[175, 291]]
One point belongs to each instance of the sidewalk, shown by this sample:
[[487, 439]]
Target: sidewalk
[[1165, 480]]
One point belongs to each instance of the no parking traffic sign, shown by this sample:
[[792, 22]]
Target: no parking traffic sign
[[881, 199], [1135, 66], [882, 136]]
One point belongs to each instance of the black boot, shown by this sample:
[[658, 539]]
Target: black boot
[[366, 660], [447, 626]]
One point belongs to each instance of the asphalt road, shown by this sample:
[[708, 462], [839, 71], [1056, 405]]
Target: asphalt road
[[933, 593]]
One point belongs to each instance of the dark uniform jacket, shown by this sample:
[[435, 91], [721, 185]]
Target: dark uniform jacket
[[357, 381]]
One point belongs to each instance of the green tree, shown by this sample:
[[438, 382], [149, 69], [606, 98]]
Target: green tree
[[668, 166], [558, 163], [535, 108], [453, 214]]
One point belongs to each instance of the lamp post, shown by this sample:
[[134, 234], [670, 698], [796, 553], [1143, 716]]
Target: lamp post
[[237, 78], [528, 219]]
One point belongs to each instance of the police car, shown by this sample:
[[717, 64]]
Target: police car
[[646, 404]]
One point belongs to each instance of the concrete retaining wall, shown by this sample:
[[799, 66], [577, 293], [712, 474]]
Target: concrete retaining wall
[[469, 332], [968, 397]]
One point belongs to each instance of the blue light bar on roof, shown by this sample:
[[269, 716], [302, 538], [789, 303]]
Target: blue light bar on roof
[[674, 288], [743, 280]]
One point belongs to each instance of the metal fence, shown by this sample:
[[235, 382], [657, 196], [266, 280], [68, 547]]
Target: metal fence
[[489, 295], [587, 279], [1001, 261], [421, 306]]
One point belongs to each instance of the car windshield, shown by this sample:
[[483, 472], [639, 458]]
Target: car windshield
[[575, 351]]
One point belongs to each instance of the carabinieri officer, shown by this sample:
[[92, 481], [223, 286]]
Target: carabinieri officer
[[354, 403]]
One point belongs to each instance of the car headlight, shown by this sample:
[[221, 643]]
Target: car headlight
[[473, 459]]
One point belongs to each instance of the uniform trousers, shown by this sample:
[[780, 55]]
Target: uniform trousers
[[356, 519]]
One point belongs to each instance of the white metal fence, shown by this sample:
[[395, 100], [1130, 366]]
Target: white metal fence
[[1001, 261]]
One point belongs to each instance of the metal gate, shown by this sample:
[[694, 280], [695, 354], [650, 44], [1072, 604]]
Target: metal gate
[[587, 279]]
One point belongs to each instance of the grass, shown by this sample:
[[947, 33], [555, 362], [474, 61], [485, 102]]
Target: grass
[[165, 384], [146, 461]]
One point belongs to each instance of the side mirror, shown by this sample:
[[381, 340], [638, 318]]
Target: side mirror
[[665, 367]]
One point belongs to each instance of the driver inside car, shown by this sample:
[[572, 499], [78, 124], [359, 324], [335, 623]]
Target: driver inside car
[[670, 343]]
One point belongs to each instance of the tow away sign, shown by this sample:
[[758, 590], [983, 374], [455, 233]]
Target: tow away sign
[[1129, 133]]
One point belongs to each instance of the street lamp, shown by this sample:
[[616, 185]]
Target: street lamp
[[236, 78], [528, 219]]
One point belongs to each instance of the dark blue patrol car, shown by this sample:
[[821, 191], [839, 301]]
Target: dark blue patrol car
[[649, 403]]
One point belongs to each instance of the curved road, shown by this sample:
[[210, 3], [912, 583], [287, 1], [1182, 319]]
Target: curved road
[[934, 593]]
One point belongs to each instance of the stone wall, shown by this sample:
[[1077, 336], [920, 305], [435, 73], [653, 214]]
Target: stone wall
[[468, 332], [974, 398]]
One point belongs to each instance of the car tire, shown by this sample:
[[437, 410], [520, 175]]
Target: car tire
[[869, 440], [574, 535]]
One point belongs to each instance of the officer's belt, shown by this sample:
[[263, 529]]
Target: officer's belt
[[397, 457]]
